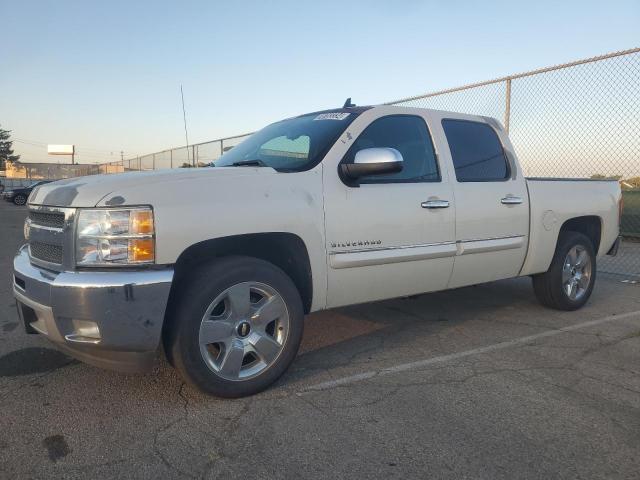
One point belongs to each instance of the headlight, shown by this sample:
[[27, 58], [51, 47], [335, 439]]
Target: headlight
[[115, 236]]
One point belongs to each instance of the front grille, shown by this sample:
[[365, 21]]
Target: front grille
[[46, 252], [47, 219]]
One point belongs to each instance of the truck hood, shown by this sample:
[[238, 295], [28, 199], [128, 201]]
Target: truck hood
[[88, 191]]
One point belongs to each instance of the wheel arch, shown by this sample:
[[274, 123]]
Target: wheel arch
[[588, 225], [285, 250]]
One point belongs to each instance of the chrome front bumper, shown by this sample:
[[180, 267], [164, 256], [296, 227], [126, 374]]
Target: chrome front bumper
[[111, 319]]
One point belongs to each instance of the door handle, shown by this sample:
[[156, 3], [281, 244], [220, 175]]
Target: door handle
[[435, 204], [511, 201]]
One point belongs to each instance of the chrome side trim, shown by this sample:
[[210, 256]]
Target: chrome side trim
[[489, 238], [383, 256], [378, 249], [408, 253], [468, 247]]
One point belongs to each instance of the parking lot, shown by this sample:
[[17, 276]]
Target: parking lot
[[479, 382]]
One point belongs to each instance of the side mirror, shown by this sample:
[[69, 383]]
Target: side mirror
[[372, 161]]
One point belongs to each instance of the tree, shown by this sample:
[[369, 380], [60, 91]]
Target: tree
[[599, 176], [632, 183], [6, 150]]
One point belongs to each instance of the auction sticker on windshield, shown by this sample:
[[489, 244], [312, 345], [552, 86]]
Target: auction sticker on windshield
[[332, 116]]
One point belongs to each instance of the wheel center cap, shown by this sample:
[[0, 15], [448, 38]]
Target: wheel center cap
[[243, 329]]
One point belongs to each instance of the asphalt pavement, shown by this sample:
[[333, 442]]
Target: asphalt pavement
[[479, 382]]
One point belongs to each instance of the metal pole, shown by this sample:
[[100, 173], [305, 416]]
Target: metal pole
[[193, 155], [184, 117], [507, 107], [171, 158], [153, 164]]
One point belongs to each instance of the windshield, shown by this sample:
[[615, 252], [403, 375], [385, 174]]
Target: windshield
[[291, 145]]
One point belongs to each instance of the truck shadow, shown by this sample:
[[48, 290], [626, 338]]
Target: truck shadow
[[32, 360], [338, 337]]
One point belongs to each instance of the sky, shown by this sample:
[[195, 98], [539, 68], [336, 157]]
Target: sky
[[106, 76]]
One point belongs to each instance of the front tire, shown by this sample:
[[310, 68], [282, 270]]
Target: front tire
[[568, 283], [20, 199], [237, 326]]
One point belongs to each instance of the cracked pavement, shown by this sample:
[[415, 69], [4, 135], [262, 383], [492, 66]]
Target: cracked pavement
[[565, 405]]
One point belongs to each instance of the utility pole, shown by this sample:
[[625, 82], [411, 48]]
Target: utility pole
[[121, 155], [184, 117]]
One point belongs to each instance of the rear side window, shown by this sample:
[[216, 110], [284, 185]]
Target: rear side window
[[476, 151], [409, 135]]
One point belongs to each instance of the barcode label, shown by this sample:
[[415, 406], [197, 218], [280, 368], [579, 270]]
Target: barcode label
[[332, 116]]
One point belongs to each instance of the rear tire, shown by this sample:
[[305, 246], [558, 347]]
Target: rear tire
[[19, 199], [568, 283], [237, 326]]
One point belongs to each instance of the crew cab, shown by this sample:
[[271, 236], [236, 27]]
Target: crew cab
[[326, 209]]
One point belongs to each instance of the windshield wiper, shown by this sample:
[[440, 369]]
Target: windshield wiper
[[249, 163]]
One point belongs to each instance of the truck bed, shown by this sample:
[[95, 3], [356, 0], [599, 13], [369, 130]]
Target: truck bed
[[553, 201]]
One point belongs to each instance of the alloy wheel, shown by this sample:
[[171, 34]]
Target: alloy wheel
[[244, 330], [576, 272]]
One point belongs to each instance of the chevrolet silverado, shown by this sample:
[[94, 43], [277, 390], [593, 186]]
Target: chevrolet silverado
[[218, 266]]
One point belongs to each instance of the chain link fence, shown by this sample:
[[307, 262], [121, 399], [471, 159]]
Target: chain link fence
[[580, 119], [197, 155], [19, 174]]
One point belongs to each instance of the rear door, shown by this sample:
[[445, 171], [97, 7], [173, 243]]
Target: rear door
[[492, 210]]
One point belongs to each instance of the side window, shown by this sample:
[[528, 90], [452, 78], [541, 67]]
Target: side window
[[409, 135], [476, 151]]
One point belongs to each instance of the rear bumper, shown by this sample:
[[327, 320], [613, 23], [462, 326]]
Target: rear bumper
[[613, 251], [108, 319]]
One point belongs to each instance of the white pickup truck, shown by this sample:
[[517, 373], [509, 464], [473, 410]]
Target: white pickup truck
[[219, 265]]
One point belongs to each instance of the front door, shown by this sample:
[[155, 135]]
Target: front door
[[392, 235]]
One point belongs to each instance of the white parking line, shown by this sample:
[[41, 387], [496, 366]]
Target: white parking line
[[453, 356]]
